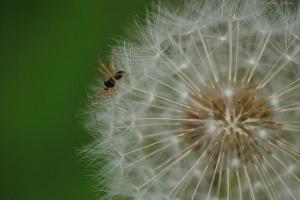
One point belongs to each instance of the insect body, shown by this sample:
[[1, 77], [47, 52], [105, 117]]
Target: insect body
[[111, 83], [110, 77]]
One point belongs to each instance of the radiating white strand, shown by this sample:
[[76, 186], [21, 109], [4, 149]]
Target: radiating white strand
[[222, 8], [220, 179], [199, 182], [269, 179], [239, 184], [207, 55], [212, 181], [259, 56], [188, 60], [292, 105], [286, 153], [172, 119], [227, 182], [153, 144], [289, 109], [179, 92], [149, 104], [270, 72], [237, 49], [273, 74], [163, 98], [291, 128], [201, 59], [168, 108], [288, 147], [165, 169], [187, 173], [230, 49], [281, 180], [286, 167], [145, 125], [288, 88], [170, 61], [290, 122], [149, 135], [172, 157], [249, 183], [263, 180], [180, 74], [127, 53], [152, 153], [220, 173], [166, 84], [295, 36]]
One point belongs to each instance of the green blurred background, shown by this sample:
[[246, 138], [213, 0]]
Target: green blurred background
[[49, 52]]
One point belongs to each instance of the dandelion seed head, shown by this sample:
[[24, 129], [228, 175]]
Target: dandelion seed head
[[208, 107]]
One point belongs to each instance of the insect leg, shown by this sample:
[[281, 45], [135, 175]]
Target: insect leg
[[112, 67], [104, 72], [101, 62]]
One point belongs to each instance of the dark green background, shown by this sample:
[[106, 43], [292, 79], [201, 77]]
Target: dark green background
[[48, 62]]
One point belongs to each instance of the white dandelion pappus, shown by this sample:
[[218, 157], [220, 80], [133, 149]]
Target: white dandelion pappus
[[208, 108]]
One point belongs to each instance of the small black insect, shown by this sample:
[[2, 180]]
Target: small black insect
[[112, 81], [110, 76]]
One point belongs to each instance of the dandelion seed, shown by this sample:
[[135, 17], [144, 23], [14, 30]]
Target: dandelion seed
[[209, 108]]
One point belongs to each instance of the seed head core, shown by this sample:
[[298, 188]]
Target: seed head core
[[232, 122]]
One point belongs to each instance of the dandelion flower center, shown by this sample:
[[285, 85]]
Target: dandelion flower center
[[233, 118]]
